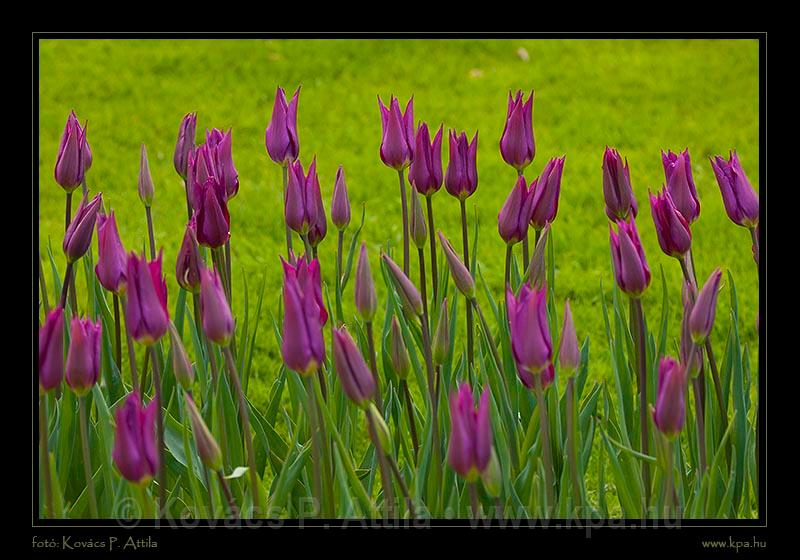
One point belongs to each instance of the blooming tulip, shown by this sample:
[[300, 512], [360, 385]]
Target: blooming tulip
[[301, 208], [670, 410], [281, 135], [356, 377], [672, 229], [74, 155], [146, 189], [617, 189], [680, 184], [701, 321], [111, 267], [426, 169], [530, 333], [545, 191], [517, 144], [83, 357], [135, 451], [187, 267], [738, 196], [569, 355], [627, 255], [409, 295], [211, 210], [216, 312], [340, 205], [512, 221], [185, 144], [470, 447], [146, 311], [78, 236], [461, 178], [310, 278], [51, 350], [459, 272], [397, 138], [302, 346]]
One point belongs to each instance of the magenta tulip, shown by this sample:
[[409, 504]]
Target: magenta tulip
[[512, 221], [112, 261], [51, 350], [670, 410], [135, 450], [187, 266], [530, 333], [617, 189], [517, 144], [78, 236], [738, 196], [301, 207], [470, 448], [397, 138], [680, 184], [340, 205], [461, 178], [426, 169], [146, 311], [216, 312], [83, 358], [211, 212], [302, 346], [356, 377], [701, 321], [185, 144], [545, 191], [627, 255], [281, 139], [672, 229], [74, 155]]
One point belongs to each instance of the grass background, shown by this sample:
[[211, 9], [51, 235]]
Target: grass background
[[639, 96]]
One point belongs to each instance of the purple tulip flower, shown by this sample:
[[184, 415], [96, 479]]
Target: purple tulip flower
[[146, 311], [135, 451], [672, 229], [701, 321], [680, 184], [51, 350], [530, 333], [74, 155], [185, 144], [426, 169], [302, 346], [617, 189], [340, 204], [470, 447], [78, 236], [461, 178], [738, 196], [281, 136], [112, 261], [514, 216], [216, 312], [405, 288], [309, 277], [545, 191], [219, 149], [462, 277], [356, 377], [211, 212], [301, 207], [187, 266], [627, 255], [670, 410], [397, 138], [83, 358], [517, 144]]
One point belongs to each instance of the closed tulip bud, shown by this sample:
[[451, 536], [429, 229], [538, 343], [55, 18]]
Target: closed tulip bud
[[426, 169], [461, 178], [181, 366], [470, 448], [51, 350], [405, 288], [78, 236], [441, 337], [185, 144], [627, 255], [83, 357], [301, 207], [366, 300], [672, 229], [146, 311], [670, 410], [397, 138], [617, 189], [319, 229], [281, 139], [146, 189], [538, 269], [213, 220], [340, 205], [460, 274], [512, 221], [111, 267], [187, 267], [701, 321], [220, 149], [207, 448], [680, 184], [569, 355], [135, 450], [398, 353], [302, 346], [545, 192], [356, 377], [216, 312], [517, 144], [381, 429], [416, 225], [309, 279], [738, 196], [530, 333], [492, 476], [74, 156]]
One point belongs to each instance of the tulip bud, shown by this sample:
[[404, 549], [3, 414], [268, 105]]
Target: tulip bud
[[381, 429], [185, 144], [538, 268], [207, 448], [302, 345], [213, 220], [135, 450], [416, 225], [51, 350], [111, 267], [401, 362], [701, 321], [517, 144], [569, 355], [146, 313], [83, 357], [545, 192], [397, 140], [627, 255], [617, 189], [356, 377], [187, 267], [340, 205], [146, 189], [441, 337], [300, 209], [281, 139], [470, 448], [461, 276], [738, 196], [366, 300], [530, 333], [409, 295], [461, 178], [181, 366], [319, 229], [492, 476], [670, 410], [217, 319], [672, 229], [426, 169], [74, 156], [78, 236], [680, 184], [512, 221]]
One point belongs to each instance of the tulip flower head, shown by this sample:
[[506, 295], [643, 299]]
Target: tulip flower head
[[462, 277], [397, 138], [627, 255], [78, 236], [461, 178], [426, 169], [302, 346], [405, 288], [213, 221], [470, 447], [340, 205], [517, 144], [309, 275], [530, 334], [617, 189], [670, 410], [74, 155], [738, 196], [83, 358], [51, 350], [184, 146], [366, 299], [319, 229], [218, 321], [672, 229], [401, 362], [187, 266], [512, 221], [281, 139], [135, 450], [219, 149], [545, 191], [680, 184], [146, 188], [112, 261], [146, 311], [569, 354], [701, 321], [301, 207], [356, 377]]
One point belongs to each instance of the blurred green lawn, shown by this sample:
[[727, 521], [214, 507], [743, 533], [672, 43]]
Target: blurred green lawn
[[639, 96]]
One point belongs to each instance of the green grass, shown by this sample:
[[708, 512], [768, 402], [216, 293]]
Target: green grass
[[640, 96]]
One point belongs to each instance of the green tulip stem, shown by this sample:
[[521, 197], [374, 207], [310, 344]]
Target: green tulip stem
[[386, 478], [470, 339], [45, 457], [162, 467], [434, 268], [547, 452], [373, 366], [404, 205], [87, 458]]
